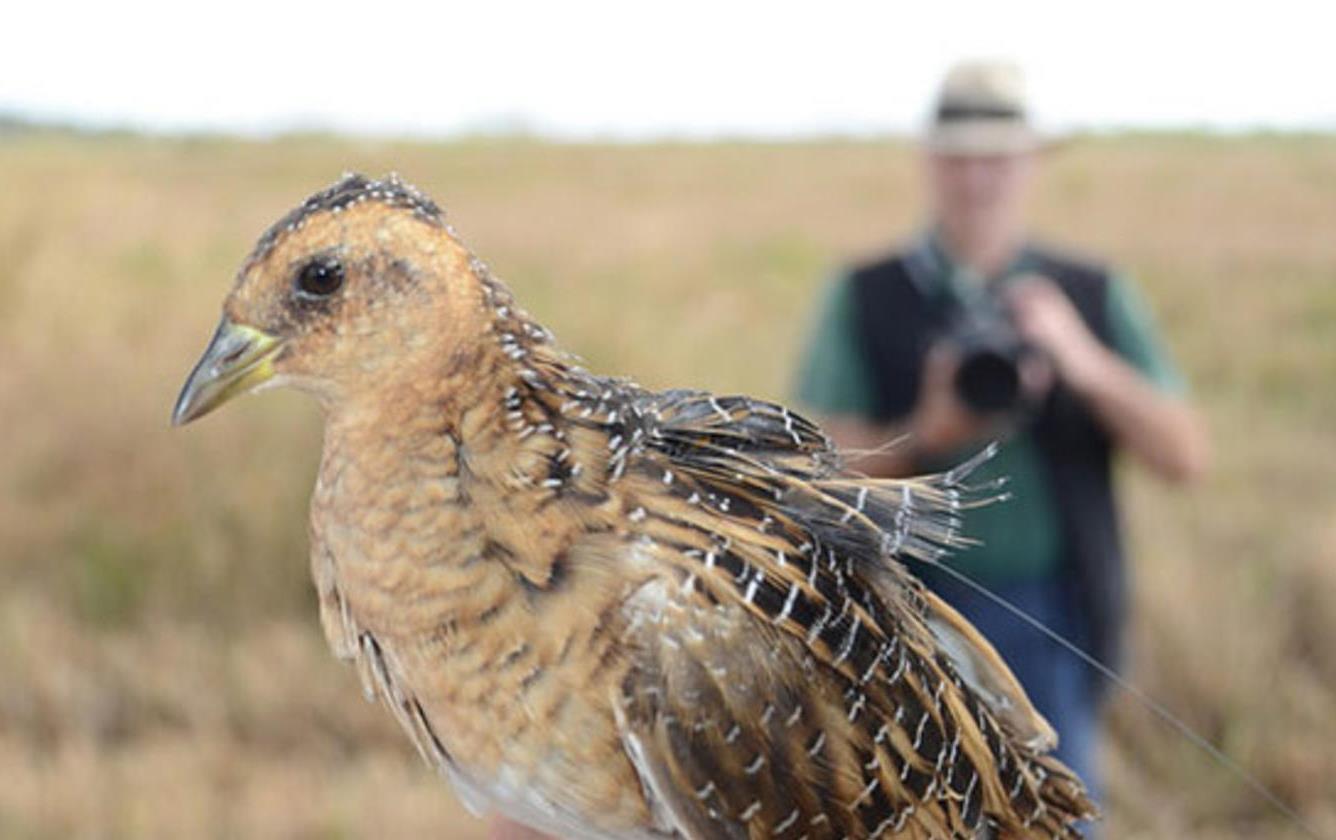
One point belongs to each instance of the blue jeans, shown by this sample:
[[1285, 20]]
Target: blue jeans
[[1060, 686]]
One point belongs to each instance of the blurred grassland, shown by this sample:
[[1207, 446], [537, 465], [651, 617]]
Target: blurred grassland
[[161, 670]]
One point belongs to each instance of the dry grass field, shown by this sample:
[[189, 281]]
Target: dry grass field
[[161, 670]]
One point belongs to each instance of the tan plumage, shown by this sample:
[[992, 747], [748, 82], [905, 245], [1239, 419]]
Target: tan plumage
[[609, 612]]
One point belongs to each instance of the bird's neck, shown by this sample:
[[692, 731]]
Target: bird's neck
[[438, 469], [403, 498], [460, 403], [459, 424], [444, 472]]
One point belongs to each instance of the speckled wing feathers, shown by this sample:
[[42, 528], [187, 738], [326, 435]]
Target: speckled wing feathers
[[791, 685]]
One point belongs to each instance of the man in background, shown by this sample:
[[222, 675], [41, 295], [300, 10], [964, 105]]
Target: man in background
[[970, 333]]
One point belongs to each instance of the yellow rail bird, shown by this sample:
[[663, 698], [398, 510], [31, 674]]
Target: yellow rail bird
[[607, 612]]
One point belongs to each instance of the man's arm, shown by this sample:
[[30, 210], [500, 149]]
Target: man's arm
[[869, 448], [1161, 430], [939, 423], [501, 828], [837, 383]]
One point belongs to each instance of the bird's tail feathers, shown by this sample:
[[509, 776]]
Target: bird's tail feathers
[[918, 518], [1141, 697]]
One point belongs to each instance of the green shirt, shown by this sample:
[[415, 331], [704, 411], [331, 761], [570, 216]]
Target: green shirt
[[1018, 539]]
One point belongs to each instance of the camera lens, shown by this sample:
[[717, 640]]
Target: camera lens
[[988, 380]]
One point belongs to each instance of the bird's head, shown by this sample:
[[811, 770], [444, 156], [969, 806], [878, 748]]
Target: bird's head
[[352, 290]]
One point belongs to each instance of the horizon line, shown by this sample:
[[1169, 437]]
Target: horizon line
[[21, 121]]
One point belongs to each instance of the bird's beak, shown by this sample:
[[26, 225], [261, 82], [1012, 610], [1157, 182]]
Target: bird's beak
[[239, 359]]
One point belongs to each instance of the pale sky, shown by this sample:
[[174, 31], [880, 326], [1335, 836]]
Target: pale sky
[[588, 68]]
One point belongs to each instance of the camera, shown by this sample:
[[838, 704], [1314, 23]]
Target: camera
[[988, 379]]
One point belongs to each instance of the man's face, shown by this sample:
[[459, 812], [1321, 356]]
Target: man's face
[[979, 193]]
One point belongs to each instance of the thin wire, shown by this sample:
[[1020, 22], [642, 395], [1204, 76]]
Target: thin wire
[[1160, 710]]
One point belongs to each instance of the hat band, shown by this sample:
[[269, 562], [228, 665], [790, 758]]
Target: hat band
[[956, 113]]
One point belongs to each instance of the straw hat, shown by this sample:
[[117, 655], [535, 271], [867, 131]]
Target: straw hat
[[980, 110]]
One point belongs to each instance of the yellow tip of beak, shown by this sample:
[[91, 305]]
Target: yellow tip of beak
[[238, 359]]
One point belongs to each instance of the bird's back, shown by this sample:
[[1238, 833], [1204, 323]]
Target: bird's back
[[791, 677]]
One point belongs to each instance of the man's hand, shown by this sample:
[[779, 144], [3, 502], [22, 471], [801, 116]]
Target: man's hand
[[1160, 429], [941, 421], [1047, 319]]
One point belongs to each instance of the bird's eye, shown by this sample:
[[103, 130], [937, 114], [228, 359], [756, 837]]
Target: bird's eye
[[319, 278]]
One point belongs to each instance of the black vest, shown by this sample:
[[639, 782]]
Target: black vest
[[897, 321]]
